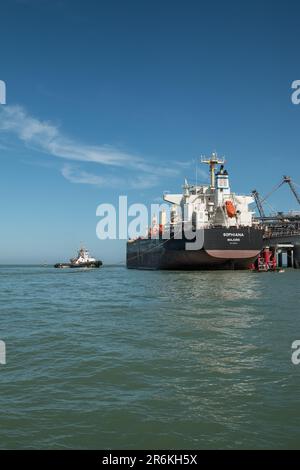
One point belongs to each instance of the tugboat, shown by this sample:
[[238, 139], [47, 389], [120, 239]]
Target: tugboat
[[212, 213], [83, 260]]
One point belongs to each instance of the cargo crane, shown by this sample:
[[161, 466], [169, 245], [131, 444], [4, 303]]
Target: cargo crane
[[259, 202], [281, 232], [288, 180]]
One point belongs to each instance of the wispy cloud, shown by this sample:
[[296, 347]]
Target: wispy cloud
[[75, 175], [45, 137], [186, 164]]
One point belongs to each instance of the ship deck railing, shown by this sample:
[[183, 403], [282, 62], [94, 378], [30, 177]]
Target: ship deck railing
[[281, 233]]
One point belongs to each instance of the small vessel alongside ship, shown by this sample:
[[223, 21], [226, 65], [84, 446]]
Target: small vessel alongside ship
[[223, 220], [82, 260]]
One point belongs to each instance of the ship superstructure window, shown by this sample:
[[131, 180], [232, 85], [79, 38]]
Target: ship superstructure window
[[222, 183]]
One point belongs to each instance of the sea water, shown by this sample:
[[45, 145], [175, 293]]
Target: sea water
[[114, 358]]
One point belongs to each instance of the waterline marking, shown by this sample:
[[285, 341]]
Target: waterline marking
[[2, 353], [2, 92], [295, 97], [161, 223], [296, 354]]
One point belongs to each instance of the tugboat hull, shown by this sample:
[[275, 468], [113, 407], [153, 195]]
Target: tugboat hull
[[83, 260], [222, 249], [94, 264]]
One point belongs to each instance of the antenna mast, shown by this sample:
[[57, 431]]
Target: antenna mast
[[212, 161]]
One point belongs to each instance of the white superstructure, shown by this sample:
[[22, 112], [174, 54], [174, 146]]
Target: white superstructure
[[83, 257], [213, 204]]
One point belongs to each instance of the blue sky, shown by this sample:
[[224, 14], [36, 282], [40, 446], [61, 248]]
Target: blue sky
[[120, 97]]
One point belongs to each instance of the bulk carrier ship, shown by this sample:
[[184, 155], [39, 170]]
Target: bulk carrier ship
[[222, 220]]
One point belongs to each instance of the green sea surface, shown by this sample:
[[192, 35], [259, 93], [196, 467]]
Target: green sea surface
[[114, 358]]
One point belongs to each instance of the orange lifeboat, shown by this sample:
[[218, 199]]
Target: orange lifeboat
[[230, 209]]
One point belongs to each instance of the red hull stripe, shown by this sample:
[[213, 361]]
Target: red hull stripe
[[232, 254]]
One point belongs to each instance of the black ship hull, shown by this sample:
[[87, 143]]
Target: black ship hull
[[222, 249]]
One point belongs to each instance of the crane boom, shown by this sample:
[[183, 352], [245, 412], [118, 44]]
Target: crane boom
[[288, 180], [273, 191], [258, 202]]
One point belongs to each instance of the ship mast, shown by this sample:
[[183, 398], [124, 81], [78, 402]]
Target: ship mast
[[212, 161]]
